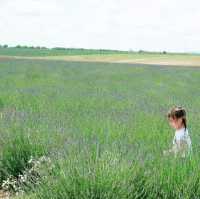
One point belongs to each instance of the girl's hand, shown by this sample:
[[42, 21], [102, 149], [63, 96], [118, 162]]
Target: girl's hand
[[165, 152]]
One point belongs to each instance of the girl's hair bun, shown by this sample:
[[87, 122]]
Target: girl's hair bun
[[177, 112]]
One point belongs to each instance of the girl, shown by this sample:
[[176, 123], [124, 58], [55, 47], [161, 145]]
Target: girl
[[181, 142]]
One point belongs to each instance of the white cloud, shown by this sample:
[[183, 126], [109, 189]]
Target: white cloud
[[170, 25]]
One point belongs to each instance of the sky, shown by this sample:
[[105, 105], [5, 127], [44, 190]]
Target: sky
[[153, 25]]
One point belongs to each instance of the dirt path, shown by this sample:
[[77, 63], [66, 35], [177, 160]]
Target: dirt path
[[168, 61], [4, 58]]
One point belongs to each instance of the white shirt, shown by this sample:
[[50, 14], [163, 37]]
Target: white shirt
[[182, 135]]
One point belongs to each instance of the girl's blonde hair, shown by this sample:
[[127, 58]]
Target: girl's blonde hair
[[176, 113]]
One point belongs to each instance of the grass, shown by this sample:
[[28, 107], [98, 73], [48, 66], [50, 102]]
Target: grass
[[102, 124], [13, 51]]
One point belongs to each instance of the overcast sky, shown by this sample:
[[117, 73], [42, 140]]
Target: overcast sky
[[171, 25]]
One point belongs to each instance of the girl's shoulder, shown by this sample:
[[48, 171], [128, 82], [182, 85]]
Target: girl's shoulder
[[180, 134]]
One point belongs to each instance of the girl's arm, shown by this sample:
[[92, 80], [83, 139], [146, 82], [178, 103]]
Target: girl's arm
[[179, 147], [173, 150]]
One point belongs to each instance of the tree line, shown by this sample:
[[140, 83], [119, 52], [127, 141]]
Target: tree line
[[62, 48]]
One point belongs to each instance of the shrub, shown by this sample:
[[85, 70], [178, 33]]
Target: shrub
[[16, 152]]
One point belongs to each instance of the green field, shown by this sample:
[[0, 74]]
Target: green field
[[33, 52], [103, 125]]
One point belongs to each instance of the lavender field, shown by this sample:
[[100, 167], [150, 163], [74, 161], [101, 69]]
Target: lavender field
[[100, 129]]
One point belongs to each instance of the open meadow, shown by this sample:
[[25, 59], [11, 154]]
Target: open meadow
[[101, 126]]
